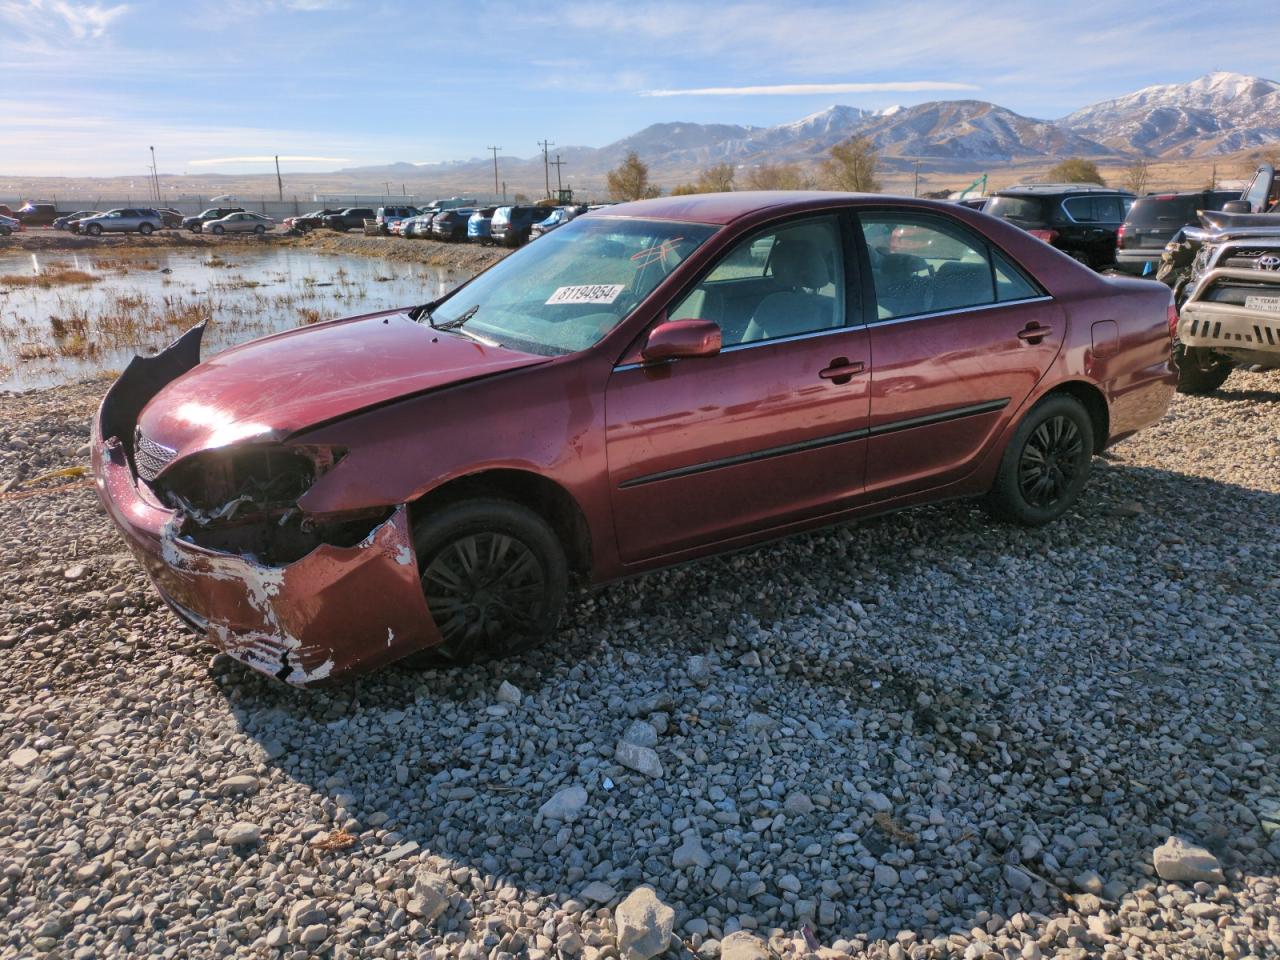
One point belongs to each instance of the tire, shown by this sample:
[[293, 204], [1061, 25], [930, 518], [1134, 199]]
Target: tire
[[217, 228], [260, 229], [489, 539], [1046, 465], [145, 229], [302, 228], [93, 229], [5, 231], [1200, 373]]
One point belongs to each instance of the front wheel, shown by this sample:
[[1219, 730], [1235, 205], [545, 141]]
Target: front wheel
[[1199, 371], [94, 229], [259, 229], [495, 578], [1045, 467], [217, 229], [145, 229]]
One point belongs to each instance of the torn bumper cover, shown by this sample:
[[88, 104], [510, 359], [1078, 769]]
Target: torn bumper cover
[[336, 610]]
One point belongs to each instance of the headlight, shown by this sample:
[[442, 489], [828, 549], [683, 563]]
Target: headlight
[[233, 481]]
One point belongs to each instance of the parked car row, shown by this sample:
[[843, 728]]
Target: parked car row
[[510, 225]]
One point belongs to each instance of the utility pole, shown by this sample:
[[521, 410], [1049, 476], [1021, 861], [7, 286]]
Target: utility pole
[[155, 177], [495, 150], [546, 166], [1213, 178], [387, 185], [504, 191], [279, 182], [559, 186], [915, 188]]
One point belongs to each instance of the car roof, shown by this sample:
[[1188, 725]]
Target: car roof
[[723, 208], [1048, 189]]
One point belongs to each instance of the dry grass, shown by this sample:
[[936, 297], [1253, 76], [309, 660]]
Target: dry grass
[[57, 276]]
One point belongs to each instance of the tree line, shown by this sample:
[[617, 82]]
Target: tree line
[[849, 166]]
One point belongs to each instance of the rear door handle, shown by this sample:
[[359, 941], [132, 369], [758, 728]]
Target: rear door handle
[[1034, 332], [842, 370]]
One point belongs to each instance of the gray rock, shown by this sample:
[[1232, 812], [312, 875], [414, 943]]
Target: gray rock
[[640, 759], [643, 924], [508, 692], [690, 854], [597, 891], [1184, 862], [798, 804], [641, 733], [314, 934], [885, 875], [878, 802], [566, 805], [243, 783], [242, 833], [23, 757], [1017, 879], [306, 913]]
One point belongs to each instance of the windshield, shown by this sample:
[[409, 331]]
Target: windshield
[[568, 290]]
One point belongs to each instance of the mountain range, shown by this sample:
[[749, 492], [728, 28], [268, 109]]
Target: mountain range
[[1217, 114]]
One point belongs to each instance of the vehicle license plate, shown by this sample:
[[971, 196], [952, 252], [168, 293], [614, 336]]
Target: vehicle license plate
[[1269, 304]]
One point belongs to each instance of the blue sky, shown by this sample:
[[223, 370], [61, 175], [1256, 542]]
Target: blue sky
[[86, 87]]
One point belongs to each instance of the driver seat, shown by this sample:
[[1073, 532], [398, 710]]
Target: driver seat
[[801, 270]]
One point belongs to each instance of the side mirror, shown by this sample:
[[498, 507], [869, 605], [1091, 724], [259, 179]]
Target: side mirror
[[682, 338], [1237, 206]]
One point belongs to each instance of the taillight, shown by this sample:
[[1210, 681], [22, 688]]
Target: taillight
[[1120, 238], [1048, 236], [1173, 322]]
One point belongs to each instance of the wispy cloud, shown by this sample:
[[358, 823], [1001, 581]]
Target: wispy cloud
[[47, 20], [212, 161], [807, 89]]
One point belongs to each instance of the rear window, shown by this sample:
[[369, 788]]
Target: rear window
[[1031, 209], [1165, 211]]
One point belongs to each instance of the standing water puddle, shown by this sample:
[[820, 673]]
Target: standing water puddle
[[65, 316]]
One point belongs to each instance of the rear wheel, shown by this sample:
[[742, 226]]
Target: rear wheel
[[1046, 465], [260, 229], [145, 229], [1199, 371], [495, 579], [93, 229]]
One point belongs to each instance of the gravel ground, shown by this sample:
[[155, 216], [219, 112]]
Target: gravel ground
[[922, 736]]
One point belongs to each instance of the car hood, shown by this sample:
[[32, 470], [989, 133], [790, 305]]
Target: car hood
[[270, 388]]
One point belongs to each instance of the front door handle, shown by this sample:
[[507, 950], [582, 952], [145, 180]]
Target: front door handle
[[842, 370], [1034, 332]]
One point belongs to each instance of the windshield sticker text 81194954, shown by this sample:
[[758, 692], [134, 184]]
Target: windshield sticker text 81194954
[[587, 293]]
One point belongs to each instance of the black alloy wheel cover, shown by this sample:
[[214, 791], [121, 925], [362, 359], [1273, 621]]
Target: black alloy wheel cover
[[486, 592], [1050, 461]]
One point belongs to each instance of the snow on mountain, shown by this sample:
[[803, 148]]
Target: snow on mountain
[[1215, 114]]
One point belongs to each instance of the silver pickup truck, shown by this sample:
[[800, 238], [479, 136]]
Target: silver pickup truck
[[1228, 297]]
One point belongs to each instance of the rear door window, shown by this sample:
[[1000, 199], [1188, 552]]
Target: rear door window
[[926, 265]]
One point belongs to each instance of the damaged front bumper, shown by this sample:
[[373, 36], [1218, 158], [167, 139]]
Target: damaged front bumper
[[336, 610]]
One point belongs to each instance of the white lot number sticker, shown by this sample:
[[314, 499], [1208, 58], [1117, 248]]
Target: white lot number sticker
[[1269, 304], [588, 293]]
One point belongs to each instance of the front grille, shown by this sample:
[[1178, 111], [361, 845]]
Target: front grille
[[150, 457]]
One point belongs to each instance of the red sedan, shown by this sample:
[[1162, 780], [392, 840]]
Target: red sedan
[[651, 383]]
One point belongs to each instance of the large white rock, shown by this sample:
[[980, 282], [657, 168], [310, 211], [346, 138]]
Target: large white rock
[[1183, 862], [643, 923], [742, 945]]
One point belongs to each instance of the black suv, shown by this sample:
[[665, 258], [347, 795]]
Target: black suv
[[37, 214], [1154, 219], [348, 219], [213, 213], [1080, 219]]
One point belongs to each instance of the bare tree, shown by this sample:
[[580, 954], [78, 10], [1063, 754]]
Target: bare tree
[[1076, 170], [1137, 175], [717, 179], [685, 189], [852, 166], [781, 176], [630, 180]]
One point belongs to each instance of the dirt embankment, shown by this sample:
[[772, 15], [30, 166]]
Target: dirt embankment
[[437, 253]]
